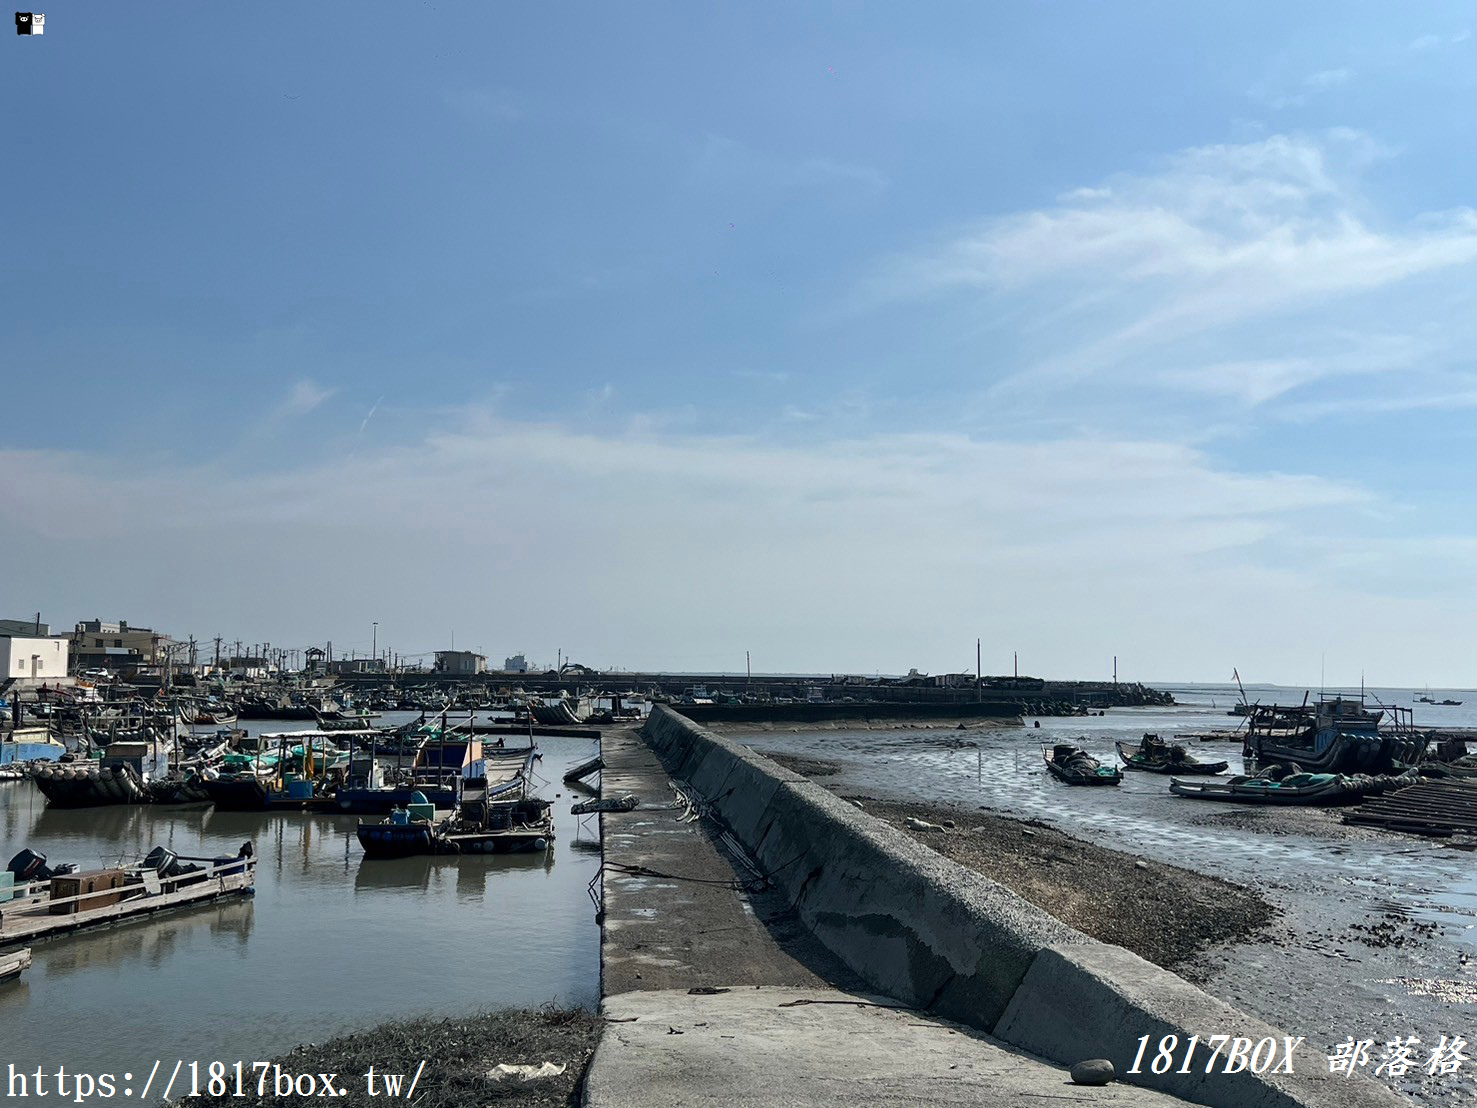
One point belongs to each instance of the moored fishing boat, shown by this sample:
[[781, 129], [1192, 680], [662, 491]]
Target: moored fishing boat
[[1075, 766], [1335, 735], [1299, 788], [495, 827], [1157, 756], [121, 776]]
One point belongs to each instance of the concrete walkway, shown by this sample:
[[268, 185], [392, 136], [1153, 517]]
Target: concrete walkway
[[800, 1047], [775, 1018], [676, 912]]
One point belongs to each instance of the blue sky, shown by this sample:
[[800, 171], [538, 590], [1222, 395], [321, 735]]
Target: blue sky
[[839, 333]]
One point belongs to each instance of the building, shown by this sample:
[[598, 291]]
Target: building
[[33, 628], [460, 663], [99, 645], [357, 665], [248, 666], [516, 664], [33, 660]]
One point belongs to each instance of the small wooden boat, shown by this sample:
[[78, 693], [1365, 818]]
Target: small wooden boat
[[13, 963], [1311, 789], [1075, 766], [1157, 756]]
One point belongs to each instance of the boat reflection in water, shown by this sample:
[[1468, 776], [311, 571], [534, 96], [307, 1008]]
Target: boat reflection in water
[[151, 941], [423, 873]]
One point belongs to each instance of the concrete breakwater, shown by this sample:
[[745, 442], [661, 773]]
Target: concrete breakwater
[[828, 711], [934, 935]]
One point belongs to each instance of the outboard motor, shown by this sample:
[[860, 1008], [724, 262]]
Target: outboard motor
[[163, 861], [29, 865]]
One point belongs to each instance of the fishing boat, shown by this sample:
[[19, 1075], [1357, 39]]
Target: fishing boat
[[121, 775], [1299, 788], [29, 744], [1337, 734], [493, 816], [496, 827], [298, 777], [1157, 756], [346, 719], [1075, 766]]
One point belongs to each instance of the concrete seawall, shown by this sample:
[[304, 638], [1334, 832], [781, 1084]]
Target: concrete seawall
[[922, 929]]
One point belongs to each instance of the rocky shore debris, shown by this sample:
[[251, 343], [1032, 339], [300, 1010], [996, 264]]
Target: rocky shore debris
[[1092, 1071], [522, 1058]]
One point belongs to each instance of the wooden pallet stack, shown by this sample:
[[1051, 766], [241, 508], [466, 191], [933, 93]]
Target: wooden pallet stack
[[1432, 808]]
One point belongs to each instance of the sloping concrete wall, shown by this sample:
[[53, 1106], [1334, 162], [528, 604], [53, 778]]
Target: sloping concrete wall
[[935, 935]]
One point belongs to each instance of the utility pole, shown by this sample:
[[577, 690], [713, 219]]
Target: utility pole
[[748, 669], [374, 640], [1115, 669], [1017, 663], [979, 683]]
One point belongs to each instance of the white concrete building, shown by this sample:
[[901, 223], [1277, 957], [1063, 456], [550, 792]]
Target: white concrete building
[[32, 659]]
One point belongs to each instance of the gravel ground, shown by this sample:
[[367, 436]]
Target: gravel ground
[[459, 1053]]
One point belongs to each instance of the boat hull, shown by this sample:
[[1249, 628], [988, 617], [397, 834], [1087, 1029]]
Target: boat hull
[[89, 786], [1135, 759], [399, 840], [396, 840], [1233, 792]]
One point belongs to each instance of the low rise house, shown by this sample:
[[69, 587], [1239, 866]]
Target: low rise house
[[460, 663], [33, 660]]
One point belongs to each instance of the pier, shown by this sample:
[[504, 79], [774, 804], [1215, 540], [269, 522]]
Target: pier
[[765, 942], [35, 914]]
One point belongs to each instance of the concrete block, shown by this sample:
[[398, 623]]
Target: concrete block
[[1096, 1000]]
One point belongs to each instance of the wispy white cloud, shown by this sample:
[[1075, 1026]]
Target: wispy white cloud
[[370, 414], [1431, 42], [304, 396], [1304, 91], [1183, 277]]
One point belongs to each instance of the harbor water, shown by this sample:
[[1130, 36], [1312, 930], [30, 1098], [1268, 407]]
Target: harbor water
[[331, 942]]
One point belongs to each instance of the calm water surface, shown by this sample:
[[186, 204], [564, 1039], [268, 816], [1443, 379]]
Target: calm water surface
[[331, 941]]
